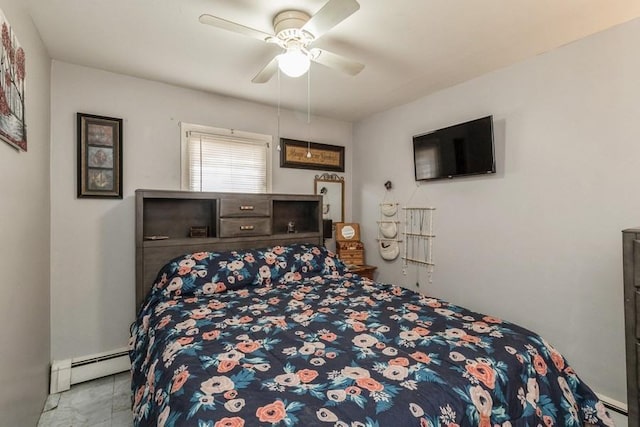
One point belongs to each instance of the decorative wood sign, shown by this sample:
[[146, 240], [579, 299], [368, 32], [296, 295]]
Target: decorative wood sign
[[295, 154]]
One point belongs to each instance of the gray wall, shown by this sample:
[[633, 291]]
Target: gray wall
[[538, 243], [92, 274], [24, 237]]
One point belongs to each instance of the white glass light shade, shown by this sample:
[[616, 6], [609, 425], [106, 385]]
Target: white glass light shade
[[293, 62]]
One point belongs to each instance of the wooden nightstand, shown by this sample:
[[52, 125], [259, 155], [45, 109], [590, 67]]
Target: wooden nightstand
[[364, 270]]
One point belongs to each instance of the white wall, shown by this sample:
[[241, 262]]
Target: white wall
[[538, 243], [92, 274], [24, 237]]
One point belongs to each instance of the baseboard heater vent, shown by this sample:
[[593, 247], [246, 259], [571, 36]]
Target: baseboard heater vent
[[65, 373]]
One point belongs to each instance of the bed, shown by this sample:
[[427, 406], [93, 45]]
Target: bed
[[287, 336]]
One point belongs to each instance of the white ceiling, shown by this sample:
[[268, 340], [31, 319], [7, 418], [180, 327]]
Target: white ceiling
[[410, 48]]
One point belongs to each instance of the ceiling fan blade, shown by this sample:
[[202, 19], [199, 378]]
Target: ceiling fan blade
[[235, 27], [330, 15], [336, 61], [267, 71]]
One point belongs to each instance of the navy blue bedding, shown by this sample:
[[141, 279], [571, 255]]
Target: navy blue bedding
[[285, 336]]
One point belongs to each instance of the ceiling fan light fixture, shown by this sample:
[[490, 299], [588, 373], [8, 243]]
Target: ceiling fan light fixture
[[294, 62]]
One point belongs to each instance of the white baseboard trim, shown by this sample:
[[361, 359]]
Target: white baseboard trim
[[65, 373], [614, 405]]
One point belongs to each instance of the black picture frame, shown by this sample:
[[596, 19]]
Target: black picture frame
[[293, 154], [99, 156]]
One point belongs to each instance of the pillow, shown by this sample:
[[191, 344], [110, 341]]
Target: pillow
[[211, 272], [306, 261], [207, 273], [295, 262]]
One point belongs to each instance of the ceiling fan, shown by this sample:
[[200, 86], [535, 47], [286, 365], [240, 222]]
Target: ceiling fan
[[295, 32]]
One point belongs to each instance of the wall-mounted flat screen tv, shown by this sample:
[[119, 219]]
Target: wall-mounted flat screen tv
[[458, 150]]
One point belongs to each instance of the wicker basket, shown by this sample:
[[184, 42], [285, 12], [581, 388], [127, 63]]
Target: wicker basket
[[351, 252]]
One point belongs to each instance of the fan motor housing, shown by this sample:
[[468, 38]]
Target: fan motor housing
[[289, 22]]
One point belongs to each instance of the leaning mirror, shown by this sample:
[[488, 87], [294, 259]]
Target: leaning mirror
[[331, 187]]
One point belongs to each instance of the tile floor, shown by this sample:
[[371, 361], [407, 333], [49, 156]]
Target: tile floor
[[620, 420], [105, 402]]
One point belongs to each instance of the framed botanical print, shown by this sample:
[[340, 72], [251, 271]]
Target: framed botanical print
[[99, 156]]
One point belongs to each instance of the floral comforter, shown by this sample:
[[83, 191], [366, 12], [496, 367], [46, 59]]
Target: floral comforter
[[285, 336]]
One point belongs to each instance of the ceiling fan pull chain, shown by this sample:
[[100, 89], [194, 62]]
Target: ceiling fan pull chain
[[279, 95], [309, 113]]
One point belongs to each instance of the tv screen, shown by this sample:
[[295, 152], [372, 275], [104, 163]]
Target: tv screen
[[462, 149]]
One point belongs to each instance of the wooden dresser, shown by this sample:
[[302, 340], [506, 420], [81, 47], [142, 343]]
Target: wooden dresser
[[165, 220], [631, 266]]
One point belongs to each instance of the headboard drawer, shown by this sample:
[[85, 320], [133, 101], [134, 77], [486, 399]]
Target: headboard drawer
[[243, 207], [238, 227]]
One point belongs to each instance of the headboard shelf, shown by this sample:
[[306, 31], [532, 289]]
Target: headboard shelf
[[170, 218], [302, 214], [216, 240], [232, 220]]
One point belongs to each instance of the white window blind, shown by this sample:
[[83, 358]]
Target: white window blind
[[231, 162]]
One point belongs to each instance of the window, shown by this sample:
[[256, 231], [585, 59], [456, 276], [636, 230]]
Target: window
[[216, 159]]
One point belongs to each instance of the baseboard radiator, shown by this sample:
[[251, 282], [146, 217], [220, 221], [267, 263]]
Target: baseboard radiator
[[65, 373]]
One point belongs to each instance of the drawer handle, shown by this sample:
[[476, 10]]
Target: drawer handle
[[246, 227], [246, 208]]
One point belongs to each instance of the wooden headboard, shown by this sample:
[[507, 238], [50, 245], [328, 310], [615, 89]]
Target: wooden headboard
[[166, 220]]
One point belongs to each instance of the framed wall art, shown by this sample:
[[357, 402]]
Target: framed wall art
[[295, 154], [99, 156], [13, 128]]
